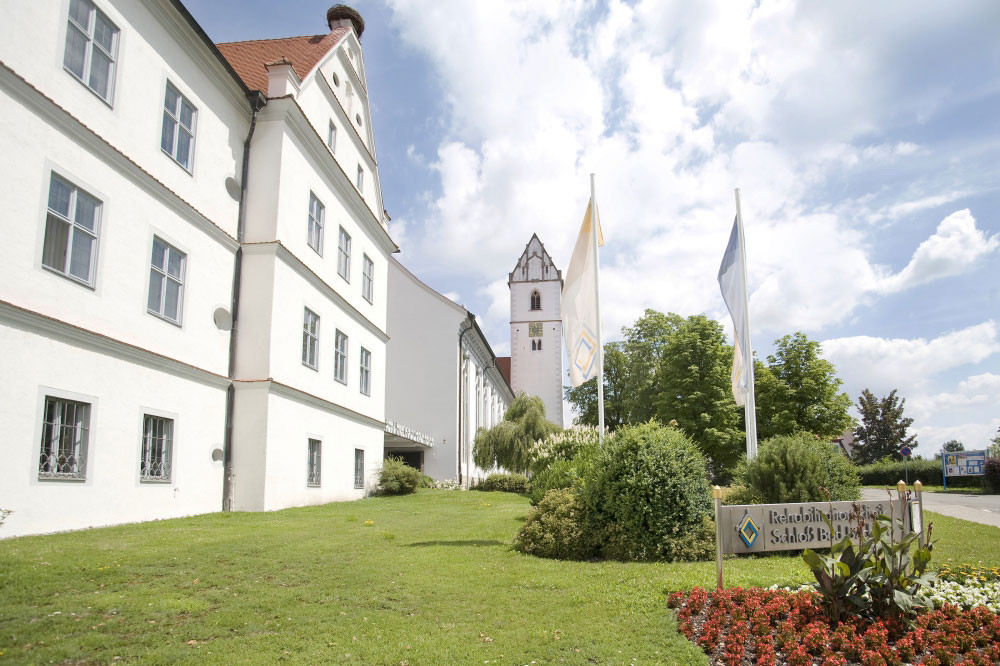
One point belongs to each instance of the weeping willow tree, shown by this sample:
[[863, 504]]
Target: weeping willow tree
[[508, 443]]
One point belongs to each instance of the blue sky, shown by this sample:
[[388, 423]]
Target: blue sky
[[864, 136]]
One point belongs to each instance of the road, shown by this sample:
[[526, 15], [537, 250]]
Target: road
[[983, 509]]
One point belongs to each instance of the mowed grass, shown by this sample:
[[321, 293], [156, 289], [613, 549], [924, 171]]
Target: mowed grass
[[433, 580]]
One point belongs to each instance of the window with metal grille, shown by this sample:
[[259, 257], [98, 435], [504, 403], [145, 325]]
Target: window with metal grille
[[177, 137], [71, 231], [310, 339], [157, 448], [344, 255], [331, 137], [91, 48], [313, 463], [317, 211], [65, 433], [368, 279], [536, 300], [359, 468], [340, 357], [166, 281], [366, 371]]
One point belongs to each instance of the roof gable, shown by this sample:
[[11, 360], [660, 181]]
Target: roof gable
[[534, 264], [249, 58]]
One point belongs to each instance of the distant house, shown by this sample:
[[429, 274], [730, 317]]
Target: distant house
[[846, 443]]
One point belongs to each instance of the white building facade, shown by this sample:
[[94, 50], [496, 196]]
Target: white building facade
[[536, 328], [137, 384], [443, 381]]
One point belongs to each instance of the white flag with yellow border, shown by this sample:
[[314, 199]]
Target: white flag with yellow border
[[579, 304]]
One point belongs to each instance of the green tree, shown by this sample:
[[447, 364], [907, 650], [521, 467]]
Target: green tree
[[616, 408], [951, 446], [508, 443], [694, 389], [798, 391], [882, 430], [994, 449], [645, 344]]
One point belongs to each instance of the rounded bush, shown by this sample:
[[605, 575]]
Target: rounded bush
[[507, 483], [397, 478], [559, 474], [793, 468], [557, 528], [647, 492]]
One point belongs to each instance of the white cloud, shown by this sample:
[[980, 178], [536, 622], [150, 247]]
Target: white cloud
[[953, 249], [973, 392], [974, 436]]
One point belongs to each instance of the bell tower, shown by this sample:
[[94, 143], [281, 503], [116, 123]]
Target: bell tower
[[536, 328]]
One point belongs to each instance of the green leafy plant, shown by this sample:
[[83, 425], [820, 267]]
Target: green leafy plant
[[508, 483], [508, 444], [558, 528], [397, 478], [558, 475], [562, 446], [792, 468]]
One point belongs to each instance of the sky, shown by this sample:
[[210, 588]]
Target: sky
[[864, 138]]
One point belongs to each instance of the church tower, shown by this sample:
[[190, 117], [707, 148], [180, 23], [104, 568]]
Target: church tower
[[536, 328]]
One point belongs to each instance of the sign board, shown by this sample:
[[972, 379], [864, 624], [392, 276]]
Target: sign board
[[763, 528], [965, 463], [905, 451]]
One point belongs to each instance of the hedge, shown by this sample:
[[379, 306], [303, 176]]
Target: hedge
[[925, 471]]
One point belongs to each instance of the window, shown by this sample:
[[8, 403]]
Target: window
[[367, 278], [65, 430], [317, 211], [344, 255], [313, 468], [310, 339], [361, 179], [91, 48], [340, 358], [366, 371], [166, 281], [157, 448], [536, 300], [71, 229], [359, 468], [177, 138], [331, 137]]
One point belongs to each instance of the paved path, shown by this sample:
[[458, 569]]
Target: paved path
[[983, 509]]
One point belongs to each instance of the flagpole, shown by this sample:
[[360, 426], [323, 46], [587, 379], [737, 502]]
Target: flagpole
[[597, 301], [749, 406]]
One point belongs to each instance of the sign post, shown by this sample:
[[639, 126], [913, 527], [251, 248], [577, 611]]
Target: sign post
[[906, 452]]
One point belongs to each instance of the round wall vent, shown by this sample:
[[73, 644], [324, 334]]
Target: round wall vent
[[223, 320]]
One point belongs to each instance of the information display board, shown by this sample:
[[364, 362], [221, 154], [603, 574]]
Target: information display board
[[965, 463]]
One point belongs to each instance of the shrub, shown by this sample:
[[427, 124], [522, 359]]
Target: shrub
[[887, 473], [992, 479], [793, 468], [646, 491], [557, 528], [740, 495], [562, 446], [397, 478], [426, 481], [507, 483], [560, 474]]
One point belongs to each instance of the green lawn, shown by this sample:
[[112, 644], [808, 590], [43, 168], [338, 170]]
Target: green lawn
[[432, 581]]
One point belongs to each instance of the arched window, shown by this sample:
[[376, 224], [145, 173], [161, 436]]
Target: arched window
[[539, 345], [536, 300], [532, 345]]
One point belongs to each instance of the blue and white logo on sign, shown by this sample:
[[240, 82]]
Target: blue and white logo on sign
[[585, 353]]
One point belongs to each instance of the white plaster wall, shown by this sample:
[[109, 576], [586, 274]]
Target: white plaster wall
[[116, 306], [290, 424], [150, 52], [422, 368], [292, 295], [538, 372], [253, 346], [250, 421], [120, 392]]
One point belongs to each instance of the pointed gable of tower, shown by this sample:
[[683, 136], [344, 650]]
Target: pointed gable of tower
[[534, 264]]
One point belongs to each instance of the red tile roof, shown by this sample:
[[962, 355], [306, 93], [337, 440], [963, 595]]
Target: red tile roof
[[248, 58], [503, 362]]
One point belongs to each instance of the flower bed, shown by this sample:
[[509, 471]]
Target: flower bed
[[738, 627]]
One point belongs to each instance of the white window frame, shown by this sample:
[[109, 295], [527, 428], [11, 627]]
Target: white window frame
[[317, 217], [359, 468], [87, 32], [174, 115], [148, 465], [314, 462], [340, 356], [310, 339], [73, 229], [365, 383], [368, 279], [165, 278], [331, 137], [73, 467], [344, 254]]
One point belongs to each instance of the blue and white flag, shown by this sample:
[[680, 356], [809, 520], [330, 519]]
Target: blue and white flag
[[734, 292]]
